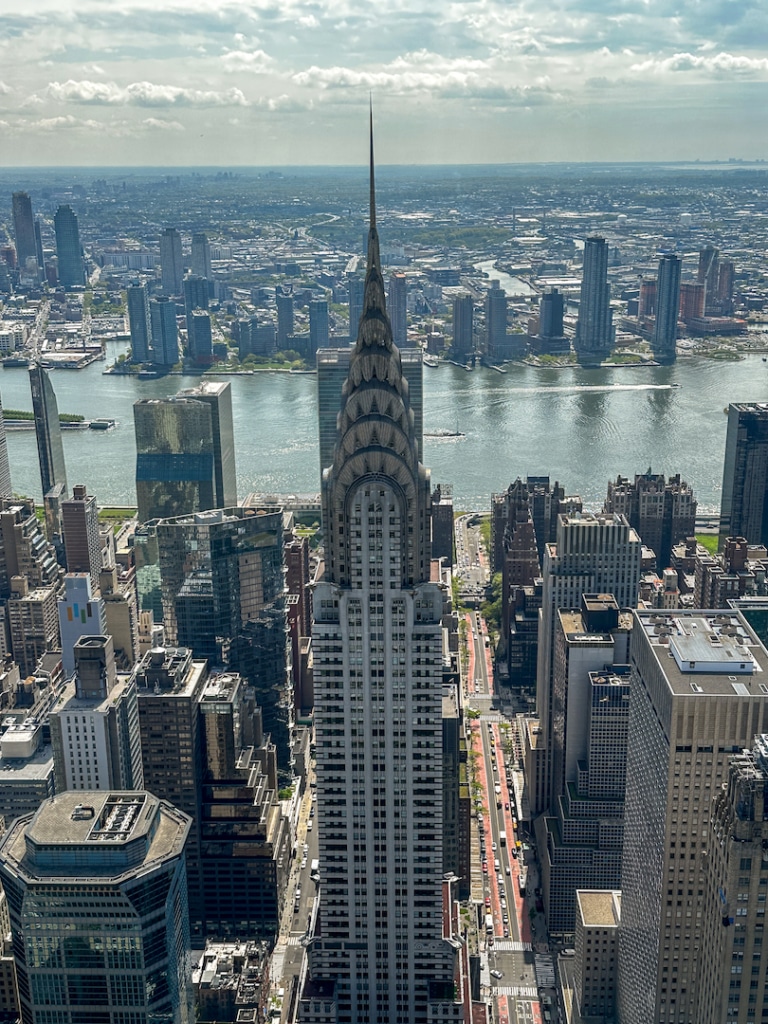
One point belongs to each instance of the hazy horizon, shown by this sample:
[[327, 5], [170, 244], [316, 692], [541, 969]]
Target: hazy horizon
[[279, 83]]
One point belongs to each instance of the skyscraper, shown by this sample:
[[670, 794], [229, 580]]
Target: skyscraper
[[708, 275], [594, 327], [171, 262], [463, 325], [165, 333], [696, 700], [201, 256], [80, 614], [332, 372], [23, 229], [95, 723], [82, 543], [356, 286], [48, 429], [101, 876], [224, 597], [744, 503], [185, 452], [200, 338], [378, 951], [734, 897], [661, 510], [495, 321], [593, 554], [284, 304], [398, 308], [318, 324], [195, 294], [139, 323], [6, 488], [70, 255], [667, 308]]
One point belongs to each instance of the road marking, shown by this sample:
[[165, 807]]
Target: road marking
[[511, 946], [294, 940], [528, 992]]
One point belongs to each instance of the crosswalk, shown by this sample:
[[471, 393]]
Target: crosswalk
[[526, 991], [294, 940], [510, 946], [545, 970]]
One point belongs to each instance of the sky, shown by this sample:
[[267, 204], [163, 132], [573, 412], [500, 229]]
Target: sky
[[286, 82]]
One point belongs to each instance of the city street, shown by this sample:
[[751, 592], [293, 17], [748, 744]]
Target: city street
[[499, 886]]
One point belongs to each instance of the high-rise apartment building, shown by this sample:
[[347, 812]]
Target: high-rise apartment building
[[50, 450], [592, 554], [733, 969], [378, 951], [200, 338], [195, 294], [356, 287], [551, 310], [33, 623], [23, 229], [744, 502], [463, 326], [97, 893], [318, 325], [495, 321], [80, 525], [200, 260], [223, 597], [39, 245], [24, 550], [708, 274], [691, 300], [662, 511], [332, 372], [139, 323], [667, 309], [68, 250], [697, 698], [171, 262], [284, 304], [594, 327], [398, 308], [185, 459], [165, 331], [95, 724]]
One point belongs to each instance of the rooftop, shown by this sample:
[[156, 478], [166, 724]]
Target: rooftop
[[707, 652], [599, 908]]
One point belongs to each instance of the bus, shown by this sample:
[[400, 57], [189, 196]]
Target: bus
[[522, 880]]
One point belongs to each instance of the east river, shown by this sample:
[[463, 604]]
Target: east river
[[579, 426]]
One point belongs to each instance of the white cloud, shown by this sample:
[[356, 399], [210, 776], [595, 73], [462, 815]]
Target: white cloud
[[256, 61], [718, 64], [163, 125], [141, 94], [5, 89]]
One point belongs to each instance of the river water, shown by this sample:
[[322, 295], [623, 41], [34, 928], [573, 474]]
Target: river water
[[579, 426]]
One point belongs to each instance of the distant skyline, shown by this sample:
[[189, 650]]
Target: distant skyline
[[286, 82]]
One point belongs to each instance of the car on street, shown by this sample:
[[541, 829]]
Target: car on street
[[493, 847], [496, 974], [485, 867]]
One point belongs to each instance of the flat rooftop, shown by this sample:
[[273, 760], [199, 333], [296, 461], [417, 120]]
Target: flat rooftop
[[599, 908], [713, 652]]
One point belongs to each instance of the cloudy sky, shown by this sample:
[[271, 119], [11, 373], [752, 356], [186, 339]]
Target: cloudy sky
[[271, 82]]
